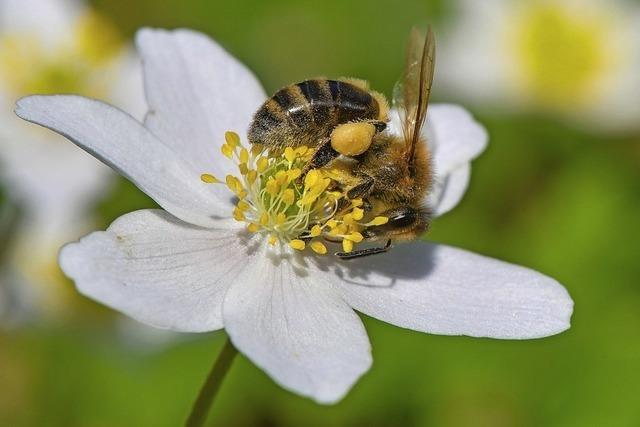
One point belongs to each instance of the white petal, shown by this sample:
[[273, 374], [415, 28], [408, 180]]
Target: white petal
[[158, 269], [297, 329], [455, 139], [445, 290], [124, 144], [445, 195], [196, 91]]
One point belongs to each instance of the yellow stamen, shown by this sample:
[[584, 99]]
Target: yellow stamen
[[289, 154], [251, 176], [379, 220], [315, 231], [238, 215], [232, 138], [357, 214], [209, 179], [288, 196], [297, 244], [318, 247], [355, 237], [262, 164], [244, 156], [243, 206], [347, 245], [227, 150], [312, 178]]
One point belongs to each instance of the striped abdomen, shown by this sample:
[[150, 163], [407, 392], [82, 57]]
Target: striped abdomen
[[304, 113]]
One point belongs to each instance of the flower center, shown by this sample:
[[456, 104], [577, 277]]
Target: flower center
[[561, 54], [276, 198], [74, 65]]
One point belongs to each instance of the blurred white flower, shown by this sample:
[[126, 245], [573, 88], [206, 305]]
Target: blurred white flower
[[576, 58], [54, 46], [192, 268]]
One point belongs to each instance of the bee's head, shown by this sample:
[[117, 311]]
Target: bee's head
[[405, 223]]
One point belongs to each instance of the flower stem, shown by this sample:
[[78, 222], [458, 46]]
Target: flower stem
[[211, 386]]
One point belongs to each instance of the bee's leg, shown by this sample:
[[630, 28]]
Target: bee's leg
[[323, 155], [364, 252], [379, 125], [363, 189]]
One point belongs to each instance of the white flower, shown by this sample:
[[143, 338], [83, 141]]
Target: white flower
[[578, 58], [53, 46], [191, 268]]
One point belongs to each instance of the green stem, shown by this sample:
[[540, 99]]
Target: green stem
[[210, 388]]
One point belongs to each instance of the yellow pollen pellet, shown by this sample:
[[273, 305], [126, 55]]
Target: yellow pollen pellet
[[232, 138], [347, 245], [253, 227], [379, 220], [252, 175], [273, 239], [227, 150], [357, 214], [264, 219], [318, 247], [289, 154], [281, 218], [244, 156], [355, 237], [297, 244], [289, 196], [209, 179], [315, 231], [262, 164]]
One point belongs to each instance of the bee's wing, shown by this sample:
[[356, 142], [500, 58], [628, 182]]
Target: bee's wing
[[411, 93]]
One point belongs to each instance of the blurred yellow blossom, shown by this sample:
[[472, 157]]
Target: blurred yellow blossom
[[579, 59], [53, 46]]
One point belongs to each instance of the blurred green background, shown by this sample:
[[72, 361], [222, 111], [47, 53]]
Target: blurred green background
[[545, 194]]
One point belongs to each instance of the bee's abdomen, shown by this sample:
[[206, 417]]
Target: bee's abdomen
[[303, 113]]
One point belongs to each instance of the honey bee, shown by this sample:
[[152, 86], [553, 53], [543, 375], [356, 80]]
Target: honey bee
[[346, 123]]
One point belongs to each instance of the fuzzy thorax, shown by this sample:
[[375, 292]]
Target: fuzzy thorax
[[275, 200]]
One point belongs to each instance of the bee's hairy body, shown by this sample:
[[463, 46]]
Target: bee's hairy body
[[385, 162], [306, 112]]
